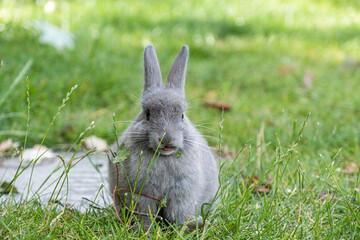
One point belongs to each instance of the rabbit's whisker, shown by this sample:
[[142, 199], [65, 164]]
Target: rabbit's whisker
[[208, 128], [134, 132], [197, 143], [136, 96], [139, 138], [124, 121], [205, 136]]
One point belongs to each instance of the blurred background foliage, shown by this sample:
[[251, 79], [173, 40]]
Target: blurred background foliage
[[272, 61]]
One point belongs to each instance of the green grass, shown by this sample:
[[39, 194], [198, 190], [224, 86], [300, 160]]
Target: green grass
[[252, 54]]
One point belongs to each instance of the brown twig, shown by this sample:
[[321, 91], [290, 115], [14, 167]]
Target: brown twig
[[116, 189], [117, 214], [117, 174], [126, 190], [133, 211]]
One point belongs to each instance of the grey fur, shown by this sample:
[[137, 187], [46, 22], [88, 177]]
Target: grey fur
[[187, 181], [176, 78], [152, 73]]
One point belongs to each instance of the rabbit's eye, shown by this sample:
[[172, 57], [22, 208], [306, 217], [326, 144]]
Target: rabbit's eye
[[148, 115], [182, 116]]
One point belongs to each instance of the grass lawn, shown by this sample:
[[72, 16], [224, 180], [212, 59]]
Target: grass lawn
[[289, 69]]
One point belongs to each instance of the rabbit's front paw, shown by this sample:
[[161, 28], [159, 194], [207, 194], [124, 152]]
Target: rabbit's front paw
[[191, 221], [194, 223]]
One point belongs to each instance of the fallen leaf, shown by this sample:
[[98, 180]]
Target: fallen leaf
[[285, 69], [259, 188], [122, 154], [95, 142], [251, 181], [268, 183], [350, 168], [218, 105], [270, 123]]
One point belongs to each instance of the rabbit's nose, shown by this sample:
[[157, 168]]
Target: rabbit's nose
[[166, 139]]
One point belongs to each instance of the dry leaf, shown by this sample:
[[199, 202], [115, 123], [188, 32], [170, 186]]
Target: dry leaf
[[210, 100], [96, 142], [259, 188], [251, 181], [218, 105], [270, 123], [285, 69], [268, 183]]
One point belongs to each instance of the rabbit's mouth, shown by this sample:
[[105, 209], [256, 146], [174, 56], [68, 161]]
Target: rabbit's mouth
[[167, 150]]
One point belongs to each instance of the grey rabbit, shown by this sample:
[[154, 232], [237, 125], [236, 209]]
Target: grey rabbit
[[184, 170]]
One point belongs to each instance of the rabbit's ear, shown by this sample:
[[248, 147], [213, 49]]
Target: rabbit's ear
[[176, 78], [151, 68]]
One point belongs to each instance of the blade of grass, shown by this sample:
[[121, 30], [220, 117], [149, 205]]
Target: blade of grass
[[16, 81]]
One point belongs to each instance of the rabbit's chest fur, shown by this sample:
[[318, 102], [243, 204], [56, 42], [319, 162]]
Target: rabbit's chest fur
[[167, 175], [192, 173]]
